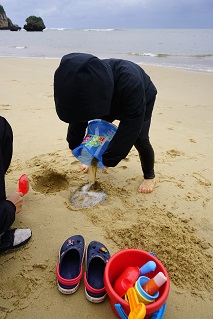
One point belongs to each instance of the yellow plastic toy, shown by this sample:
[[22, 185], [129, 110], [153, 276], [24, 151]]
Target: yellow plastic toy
[[137, 309]]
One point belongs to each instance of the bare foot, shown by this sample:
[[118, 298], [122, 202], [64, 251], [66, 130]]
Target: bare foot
[[85, 168], [147, 186]]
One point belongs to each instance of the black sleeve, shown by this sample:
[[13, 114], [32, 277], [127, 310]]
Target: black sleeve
[[133, 104], [7, 208], [75, 134], [7, 215]]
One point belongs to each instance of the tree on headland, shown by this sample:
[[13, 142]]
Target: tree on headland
[[34, 24], [2, 10]]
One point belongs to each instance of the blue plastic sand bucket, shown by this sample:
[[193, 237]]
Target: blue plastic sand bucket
[[96, 141]]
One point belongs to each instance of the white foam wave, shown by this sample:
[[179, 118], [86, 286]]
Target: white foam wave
[[20, 47], [105, 30], [143, 54]]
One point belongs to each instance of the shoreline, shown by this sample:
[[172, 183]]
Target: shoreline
[[139, 63], [175, 221]]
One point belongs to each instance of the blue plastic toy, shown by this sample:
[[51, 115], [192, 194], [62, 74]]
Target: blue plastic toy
[[96, 141]]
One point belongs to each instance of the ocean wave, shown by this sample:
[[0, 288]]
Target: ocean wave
[[165, 55], [77, 29], [106, 30], [202, 56], [142, 54], [20, 47], [57, 29], [154, 55]]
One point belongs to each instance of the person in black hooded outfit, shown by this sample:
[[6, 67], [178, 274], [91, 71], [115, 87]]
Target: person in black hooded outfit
[[88, 88], [11, 205]]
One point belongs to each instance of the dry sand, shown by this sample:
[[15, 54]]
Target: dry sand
[[175, 221]]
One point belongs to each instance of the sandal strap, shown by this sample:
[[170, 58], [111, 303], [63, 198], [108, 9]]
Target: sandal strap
[[91, 289], [68, 282]]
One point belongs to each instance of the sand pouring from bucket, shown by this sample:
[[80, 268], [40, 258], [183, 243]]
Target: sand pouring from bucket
[[99, 134]]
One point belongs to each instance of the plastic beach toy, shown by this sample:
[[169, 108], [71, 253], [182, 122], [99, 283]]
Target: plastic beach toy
[[137, 309], [159, 314], [96, 141], [152, 285], [23, 184], [142, 295], [117, 264], [130, 275]]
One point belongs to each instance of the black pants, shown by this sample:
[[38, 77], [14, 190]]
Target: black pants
[[6, 144], [142, 144], [6, 148]]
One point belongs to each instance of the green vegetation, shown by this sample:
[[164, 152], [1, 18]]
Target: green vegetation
[[36, 21], [34, 24], [2, 10]]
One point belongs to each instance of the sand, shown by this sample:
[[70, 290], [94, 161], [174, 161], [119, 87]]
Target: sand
[[175, 221]]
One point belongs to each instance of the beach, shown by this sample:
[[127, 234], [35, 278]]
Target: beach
[[175, 221]]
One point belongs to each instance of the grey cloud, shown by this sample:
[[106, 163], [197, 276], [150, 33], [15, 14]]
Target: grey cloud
[[114, 13]]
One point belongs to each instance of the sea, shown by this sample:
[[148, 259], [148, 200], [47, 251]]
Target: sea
[[188, 49]]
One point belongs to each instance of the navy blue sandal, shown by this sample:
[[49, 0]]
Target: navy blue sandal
[[97, 256], [69, 268]]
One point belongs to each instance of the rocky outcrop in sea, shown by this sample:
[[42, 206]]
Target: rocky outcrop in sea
[[6, 23], [32, 23]]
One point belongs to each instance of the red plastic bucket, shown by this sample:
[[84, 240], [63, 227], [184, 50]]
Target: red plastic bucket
[[133, 257]]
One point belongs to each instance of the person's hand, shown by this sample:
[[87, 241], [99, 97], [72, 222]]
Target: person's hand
[[17, 200]]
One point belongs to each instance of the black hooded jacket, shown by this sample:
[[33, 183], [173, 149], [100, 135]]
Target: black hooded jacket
[[87, 88], [7, 208]]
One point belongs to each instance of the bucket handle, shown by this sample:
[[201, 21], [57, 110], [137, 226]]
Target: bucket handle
[[120, 311], [159, 314]]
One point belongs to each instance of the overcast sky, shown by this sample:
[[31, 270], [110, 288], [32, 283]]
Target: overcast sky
[[113, 13]]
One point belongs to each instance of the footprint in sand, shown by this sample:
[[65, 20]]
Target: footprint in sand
[[201, 179], [192, 197], [174, 153], [192, 140]]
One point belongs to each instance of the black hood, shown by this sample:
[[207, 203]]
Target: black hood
[[83, 88]]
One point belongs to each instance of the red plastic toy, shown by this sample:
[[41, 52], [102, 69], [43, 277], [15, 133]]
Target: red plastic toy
[[130, 275], [23, 184]]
